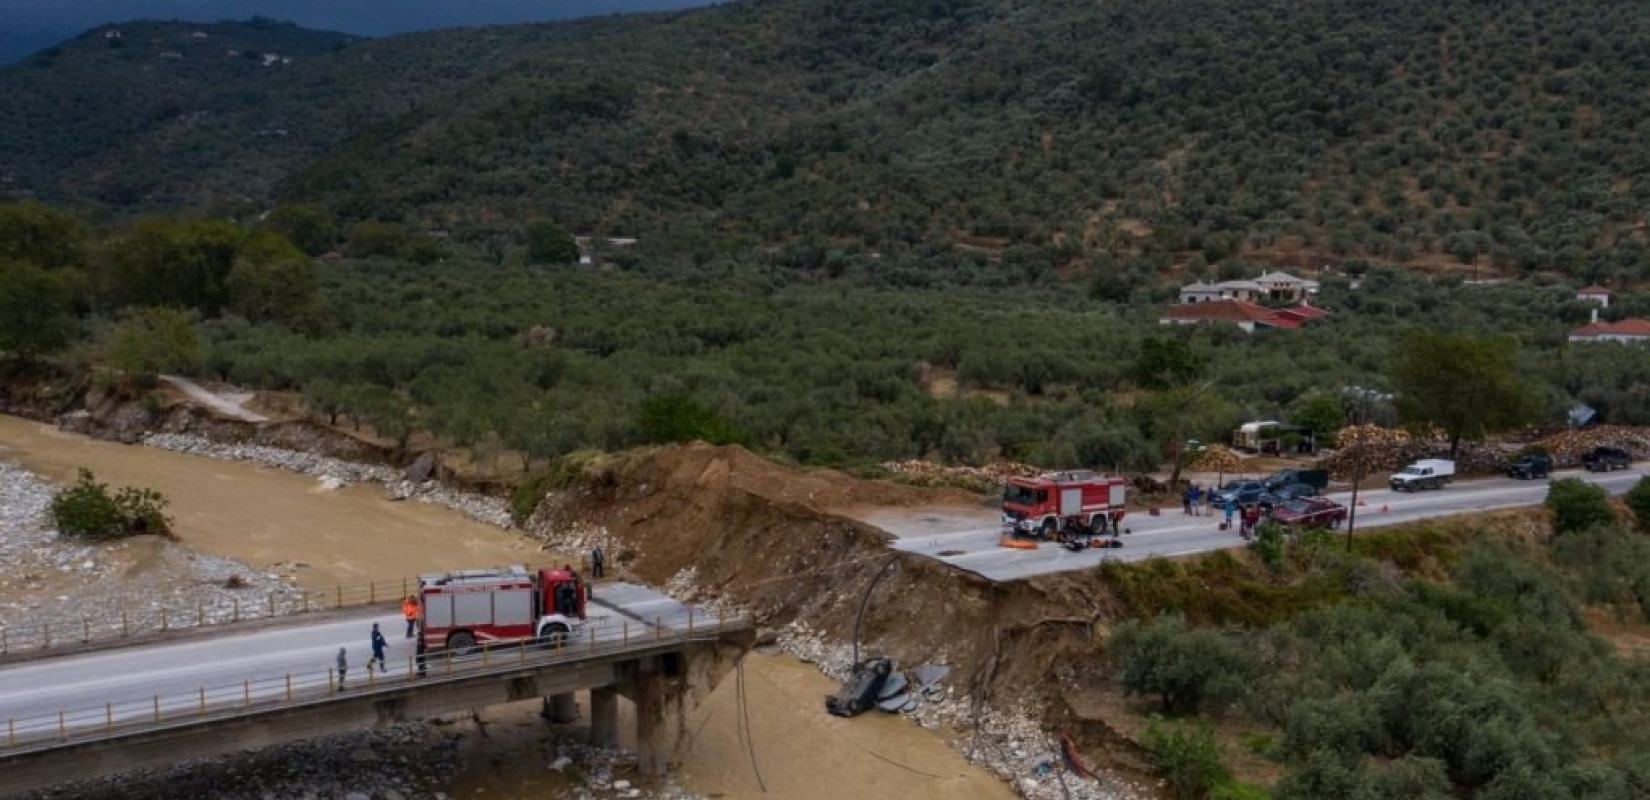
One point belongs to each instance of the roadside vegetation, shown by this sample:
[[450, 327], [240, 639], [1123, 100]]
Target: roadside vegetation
[[88, 510], [1448, 660]]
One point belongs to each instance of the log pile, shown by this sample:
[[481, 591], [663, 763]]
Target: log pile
[[1386, 450], [927, 473], [1217, 458], [1567, 447]]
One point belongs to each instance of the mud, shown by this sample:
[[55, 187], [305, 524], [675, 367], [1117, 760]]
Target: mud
[[748, 535]]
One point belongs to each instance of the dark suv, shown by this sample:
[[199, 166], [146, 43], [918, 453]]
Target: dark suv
[[1605, 459], [1530, 466]]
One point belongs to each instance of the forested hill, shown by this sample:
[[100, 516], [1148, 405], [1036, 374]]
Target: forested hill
[[1059, 134]]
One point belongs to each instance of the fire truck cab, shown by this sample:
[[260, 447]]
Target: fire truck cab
[[463, 609], [1077, 503]]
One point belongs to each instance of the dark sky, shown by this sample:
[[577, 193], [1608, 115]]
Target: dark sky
[[29, 25]]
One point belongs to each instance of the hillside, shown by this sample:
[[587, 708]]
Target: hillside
[[1055, 135]]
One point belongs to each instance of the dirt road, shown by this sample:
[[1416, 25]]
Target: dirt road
[[266, 517]]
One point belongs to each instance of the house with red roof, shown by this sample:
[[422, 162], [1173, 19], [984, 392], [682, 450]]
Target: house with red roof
[[1246, 315], [1630, 331]]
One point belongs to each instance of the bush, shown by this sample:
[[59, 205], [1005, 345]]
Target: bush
[[1270, 545], [1182, 667], [1187, 754], [1577, 505], [678, 417], [86, 510], [1638, 501]]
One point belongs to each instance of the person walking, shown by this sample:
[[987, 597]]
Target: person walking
[[1186, 500], [596, 562], [1230, 509], [1197, 498], [378, 645], [343, 668], [409, 609]]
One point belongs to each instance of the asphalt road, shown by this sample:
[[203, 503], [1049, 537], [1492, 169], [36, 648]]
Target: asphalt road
[[122, 683], [968, 538]]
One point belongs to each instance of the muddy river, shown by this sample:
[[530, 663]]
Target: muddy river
[[267, 517]]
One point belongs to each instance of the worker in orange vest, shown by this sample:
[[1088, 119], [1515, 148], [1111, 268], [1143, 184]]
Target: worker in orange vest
[[409, 609]]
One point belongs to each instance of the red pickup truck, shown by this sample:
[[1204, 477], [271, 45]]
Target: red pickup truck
[[1309, 512]]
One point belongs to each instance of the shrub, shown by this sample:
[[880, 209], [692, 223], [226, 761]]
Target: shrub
[[1182, 667], [86, 510], [1638, 501], [1270, 545], [676, 417], [1577, 505], [1187, 754]]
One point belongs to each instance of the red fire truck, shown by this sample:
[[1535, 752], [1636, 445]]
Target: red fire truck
[[461, 609], [1078, 503]]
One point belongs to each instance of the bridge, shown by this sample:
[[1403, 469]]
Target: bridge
[[126, 706]]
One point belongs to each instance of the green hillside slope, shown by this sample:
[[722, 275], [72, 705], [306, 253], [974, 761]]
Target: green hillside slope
[[1058, 134]]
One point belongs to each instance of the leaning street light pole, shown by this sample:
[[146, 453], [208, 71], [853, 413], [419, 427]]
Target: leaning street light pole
[[888, 567]]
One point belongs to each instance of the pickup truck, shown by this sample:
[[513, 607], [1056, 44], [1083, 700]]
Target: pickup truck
[[1310, 512], [1605, 459], [1428, 473], [1530, 466]]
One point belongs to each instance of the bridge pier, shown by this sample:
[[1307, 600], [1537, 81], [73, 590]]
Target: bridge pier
[[561, 708], [604, 717], [654, 700]]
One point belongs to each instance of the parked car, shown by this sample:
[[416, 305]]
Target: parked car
[[1530, 466], [1244, 493], [1284, 494], [1428, 473], [1310, 512], [1605, 459], [1316, 478]]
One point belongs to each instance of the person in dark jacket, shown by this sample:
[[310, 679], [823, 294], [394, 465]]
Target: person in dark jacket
[[596, 562], [343, 667], [378, 645]]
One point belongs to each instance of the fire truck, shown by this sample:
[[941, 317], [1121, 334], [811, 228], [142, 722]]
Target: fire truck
[[1059, 504], [463, 609]]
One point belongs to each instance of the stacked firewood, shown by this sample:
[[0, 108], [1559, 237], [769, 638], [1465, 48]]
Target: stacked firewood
[[1567, 447], [1217, 458]]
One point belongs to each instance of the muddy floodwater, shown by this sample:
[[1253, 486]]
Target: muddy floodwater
[[266, 517]]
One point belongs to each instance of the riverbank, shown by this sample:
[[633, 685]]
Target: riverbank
[[278, 520]]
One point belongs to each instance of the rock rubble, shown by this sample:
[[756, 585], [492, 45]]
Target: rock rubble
[[58, 590], [335, 473]]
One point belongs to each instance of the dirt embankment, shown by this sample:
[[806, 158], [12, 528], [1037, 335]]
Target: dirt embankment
[[772, 540], [122, 414]]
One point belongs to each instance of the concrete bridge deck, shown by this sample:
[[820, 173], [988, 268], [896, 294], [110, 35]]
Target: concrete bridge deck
[[90, 714]]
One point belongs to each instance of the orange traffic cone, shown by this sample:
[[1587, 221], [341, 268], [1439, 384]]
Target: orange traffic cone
[[1361, 504]]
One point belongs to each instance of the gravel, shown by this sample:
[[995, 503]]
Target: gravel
[[335, 473], [58, 589]]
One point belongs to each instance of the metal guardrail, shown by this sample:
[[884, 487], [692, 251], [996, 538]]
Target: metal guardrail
[[34, 638], [113, 720]]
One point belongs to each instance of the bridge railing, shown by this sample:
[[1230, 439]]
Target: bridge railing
[[242, 606], [89, 722]]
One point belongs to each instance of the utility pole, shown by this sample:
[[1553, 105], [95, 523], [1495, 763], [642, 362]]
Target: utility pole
[[1359, 414]]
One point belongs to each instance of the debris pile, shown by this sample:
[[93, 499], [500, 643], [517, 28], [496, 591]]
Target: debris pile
[[335, 473]]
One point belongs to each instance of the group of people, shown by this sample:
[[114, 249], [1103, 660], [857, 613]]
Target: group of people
[[379, 645], [1198, 501]]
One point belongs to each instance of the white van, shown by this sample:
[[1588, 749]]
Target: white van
[[1428, 473]]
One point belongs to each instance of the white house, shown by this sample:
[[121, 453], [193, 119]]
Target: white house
[[1286, 287], [1199, 292], [1595, 294]]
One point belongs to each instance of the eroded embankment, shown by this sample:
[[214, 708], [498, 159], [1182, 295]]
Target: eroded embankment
[[722, 522]]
